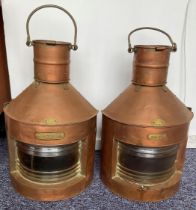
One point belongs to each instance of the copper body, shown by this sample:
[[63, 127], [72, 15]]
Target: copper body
[[4, 77], [145, 132], [51, 129]]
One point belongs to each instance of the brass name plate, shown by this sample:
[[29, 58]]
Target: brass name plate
[[157, 137], [49, 136], [158, 122]]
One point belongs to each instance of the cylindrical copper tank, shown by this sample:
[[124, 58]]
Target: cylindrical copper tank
[[5, 95], [51, 127], [145, 130]]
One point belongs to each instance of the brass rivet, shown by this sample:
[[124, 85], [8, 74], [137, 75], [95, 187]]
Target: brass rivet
[[138, 88], [142, 188]]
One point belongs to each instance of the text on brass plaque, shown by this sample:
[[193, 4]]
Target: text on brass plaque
[[49, 136], [157, 137]]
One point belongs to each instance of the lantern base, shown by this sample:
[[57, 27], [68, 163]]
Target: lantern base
[[50, 192], [146, 193]]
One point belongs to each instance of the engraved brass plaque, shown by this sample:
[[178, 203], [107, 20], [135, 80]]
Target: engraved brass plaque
[[49, 121], [49, 136], [157, 137]]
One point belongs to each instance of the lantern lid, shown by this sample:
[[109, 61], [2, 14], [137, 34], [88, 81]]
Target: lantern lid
[[154, 47], [50, 104], [148, 107], [50, 42]]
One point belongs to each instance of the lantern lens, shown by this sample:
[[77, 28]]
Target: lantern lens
[[48, 163], [146, 164]]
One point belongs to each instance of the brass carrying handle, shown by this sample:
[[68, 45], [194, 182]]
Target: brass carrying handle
[[30, 43], [131, 49]]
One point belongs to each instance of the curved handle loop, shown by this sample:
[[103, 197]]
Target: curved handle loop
[[29, 42], [131, 49]]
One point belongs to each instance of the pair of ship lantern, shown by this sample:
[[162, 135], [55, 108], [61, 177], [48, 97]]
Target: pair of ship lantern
[[51, 129]]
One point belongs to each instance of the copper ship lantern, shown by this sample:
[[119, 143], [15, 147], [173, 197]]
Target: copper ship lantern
[[51, 127], [145, 130], [5, 95]]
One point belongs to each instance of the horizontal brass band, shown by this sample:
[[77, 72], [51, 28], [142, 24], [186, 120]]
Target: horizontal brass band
[[152, 66], [49, 136]]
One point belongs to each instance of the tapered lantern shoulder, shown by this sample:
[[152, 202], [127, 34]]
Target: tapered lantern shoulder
[[147, 106], [40, 103], [145, 130], [51, 127]]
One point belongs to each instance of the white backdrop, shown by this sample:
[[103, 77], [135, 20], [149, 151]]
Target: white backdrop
[[101, 68]]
